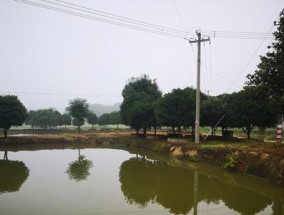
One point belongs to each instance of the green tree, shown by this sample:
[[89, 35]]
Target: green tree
[[269, 76], [104, 119], [66, 120], [12, 112], [79, 170], [115, 118], [44, 118], [177, 108], [92, 118], [212, 110], [139, 98], [79, 110], [13, 175], [78, 122], [247, 109]]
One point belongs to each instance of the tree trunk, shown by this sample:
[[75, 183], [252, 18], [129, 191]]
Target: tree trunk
[[6, 155], [79, 129], [144, 131], [92, 127], [155, 130], [137, 131], [247, 130], [5, 132]]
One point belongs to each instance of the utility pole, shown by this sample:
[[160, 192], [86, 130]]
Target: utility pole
[[197, 111]]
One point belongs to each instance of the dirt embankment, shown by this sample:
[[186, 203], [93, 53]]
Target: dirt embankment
[[261, 160]]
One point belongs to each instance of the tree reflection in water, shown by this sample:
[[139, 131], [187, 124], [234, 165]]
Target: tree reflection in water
[[79, 170], [13, 174], [143, 181]]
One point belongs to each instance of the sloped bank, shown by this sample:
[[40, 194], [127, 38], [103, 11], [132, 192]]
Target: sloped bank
[[264, 161]]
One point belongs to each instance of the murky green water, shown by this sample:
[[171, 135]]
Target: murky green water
[[107, 181]]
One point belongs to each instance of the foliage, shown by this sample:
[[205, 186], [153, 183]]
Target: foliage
[[139, 98], [45, 118], [230, 161], [12, 112], [112, 118], [66, 119], [269, 76], [79, 170], [78, 122], [247, 109], [13, 175], [92, 118], [78, 109], [177, 109], [212, 110]]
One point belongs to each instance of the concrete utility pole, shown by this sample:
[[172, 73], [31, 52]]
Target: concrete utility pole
[[197, 111]]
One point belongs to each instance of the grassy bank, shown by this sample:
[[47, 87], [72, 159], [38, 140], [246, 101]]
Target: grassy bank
[[251, 157]]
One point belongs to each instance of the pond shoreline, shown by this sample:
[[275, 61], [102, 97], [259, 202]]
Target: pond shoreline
[[265, 161]]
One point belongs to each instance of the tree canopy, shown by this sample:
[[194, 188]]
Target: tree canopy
[[112, 118], [177, 108], [79, 170], [45, 118], [269, 76], [79, 110], [245, 109], [12, 112], [92, 118], [139, 98]]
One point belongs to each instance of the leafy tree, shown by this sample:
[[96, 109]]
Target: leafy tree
[[177, 108], [212, 110], [247, 110], [44, 118], [115, 118], [139, 98], [13, 175], [79, 170], [65, 119], [92, 118], [79, 110], [78, 122], [104, 119], [269, 76], [12, 112]]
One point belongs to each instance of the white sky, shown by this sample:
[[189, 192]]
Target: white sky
[[46, 54]]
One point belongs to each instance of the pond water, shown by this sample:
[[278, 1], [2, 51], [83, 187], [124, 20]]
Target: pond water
[[108, 181]]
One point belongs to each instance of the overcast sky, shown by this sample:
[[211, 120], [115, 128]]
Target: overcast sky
[[48, 58]]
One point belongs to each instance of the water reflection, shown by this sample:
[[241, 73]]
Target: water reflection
[[180, 190], [13, 174], [79, 170]]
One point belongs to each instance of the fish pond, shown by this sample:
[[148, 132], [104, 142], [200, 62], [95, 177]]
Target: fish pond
[[112, 181]]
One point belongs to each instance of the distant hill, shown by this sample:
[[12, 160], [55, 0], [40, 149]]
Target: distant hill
[[100, 109]]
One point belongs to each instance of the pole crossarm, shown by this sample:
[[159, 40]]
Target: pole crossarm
[[197, 41]]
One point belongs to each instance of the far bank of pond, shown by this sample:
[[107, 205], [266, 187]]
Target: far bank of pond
[[258, 159]]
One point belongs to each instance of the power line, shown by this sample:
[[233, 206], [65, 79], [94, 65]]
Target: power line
[[178, 14], [154, 30], [110, 15], [55, 94], [248, 62], [101, 16], [148, 30]]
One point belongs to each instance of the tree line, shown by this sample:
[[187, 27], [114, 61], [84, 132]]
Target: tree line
[[144, 107], [77, 114], [255, 106]]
